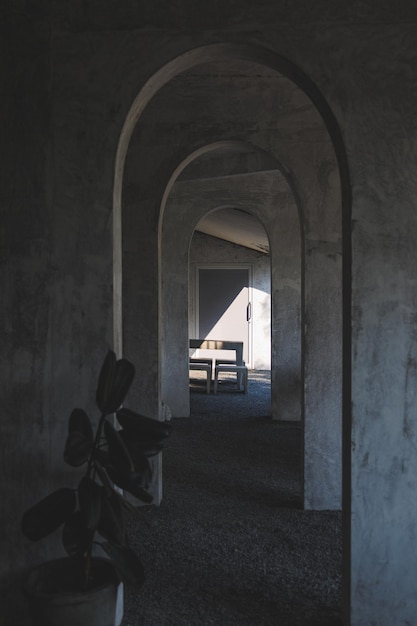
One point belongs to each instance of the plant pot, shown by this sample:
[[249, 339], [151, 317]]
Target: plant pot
[[55, 600]]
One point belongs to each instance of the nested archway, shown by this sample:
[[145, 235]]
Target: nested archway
[[265, 194], [319, 178]]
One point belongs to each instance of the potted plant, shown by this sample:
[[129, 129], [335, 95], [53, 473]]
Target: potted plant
[[91, 515]]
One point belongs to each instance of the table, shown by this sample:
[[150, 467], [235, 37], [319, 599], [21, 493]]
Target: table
[[216, 344]]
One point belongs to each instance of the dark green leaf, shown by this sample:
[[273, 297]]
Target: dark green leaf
[[139, 450], [131, 482], [140, 471], [77, 449], [127, 564], [80, 422], [139, 446], [89, 495], [114, 382], [75, 535], [152, 429], [106, 382], [124, 375], [49, 514], [112, 525], [118, 453]]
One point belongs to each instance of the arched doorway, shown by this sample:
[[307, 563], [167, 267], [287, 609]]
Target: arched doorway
[[317, 173], [268, 197], [230, 283]]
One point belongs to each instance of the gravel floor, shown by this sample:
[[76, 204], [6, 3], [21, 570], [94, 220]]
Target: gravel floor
[[230, 544]]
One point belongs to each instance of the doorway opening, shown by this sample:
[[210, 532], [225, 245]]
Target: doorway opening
[[320, 189], [223, 306], [230, 293]]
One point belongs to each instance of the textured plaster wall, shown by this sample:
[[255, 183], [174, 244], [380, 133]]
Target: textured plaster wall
[[384, 392], [56, 276], [26, 427], [70, 72]]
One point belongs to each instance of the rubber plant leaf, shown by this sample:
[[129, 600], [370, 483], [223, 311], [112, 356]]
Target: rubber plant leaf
[[139, 446], [112, 524], [80, 422], [114, 382], [130, 482], [89, 496], [127, 563], [77, 449], [138, 471], [106, 382], [118, 453], [48, 514], [153, 429], [75, 535], [124, 375]]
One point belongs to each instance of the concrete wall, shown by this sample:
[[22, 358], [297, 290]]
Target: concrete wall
[[70, 72], [56, 276]]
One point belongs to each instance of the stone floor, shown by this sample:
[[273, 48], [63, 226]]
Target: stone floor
[[230, 544]]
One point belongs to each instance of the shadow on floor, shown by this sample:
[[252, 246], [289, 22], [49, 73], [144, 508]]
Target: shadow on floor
[[230, 544]]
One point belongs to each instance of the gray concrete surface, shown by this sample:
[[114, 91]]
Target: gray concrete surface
[[230, 544], [70, 73]]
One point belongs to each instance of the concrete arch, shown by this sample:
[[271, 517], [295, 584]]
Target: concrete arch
[[321, 258], [181, 216], [181, 63]]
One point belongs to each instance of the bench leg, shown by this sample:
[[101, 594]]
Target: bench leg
[[241, 379], [243, 383]]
